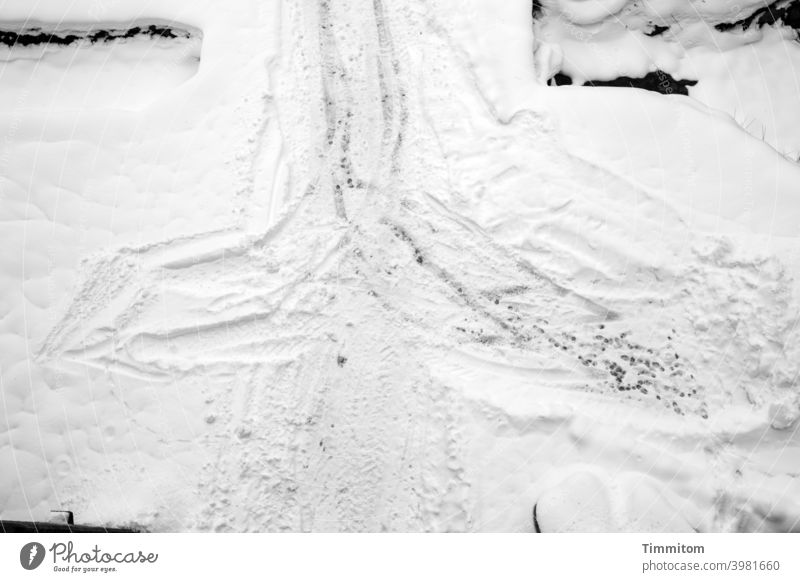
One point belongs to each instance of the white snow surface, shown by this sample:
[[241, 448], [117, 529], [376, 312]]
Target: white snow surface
[[360, 269]]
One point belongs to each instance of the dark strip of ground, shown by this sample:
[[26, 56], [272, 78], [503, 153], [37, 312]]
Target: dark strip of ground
[[657, 81], [38, 36]]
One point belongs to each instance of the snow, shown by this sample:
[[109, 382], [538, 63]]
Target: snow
[[744, 73], [589, 11], [127, 76], [360, 269], [584, 501]]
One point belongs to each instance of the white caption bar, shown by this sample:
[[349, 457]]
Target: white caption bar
[[375, 557]]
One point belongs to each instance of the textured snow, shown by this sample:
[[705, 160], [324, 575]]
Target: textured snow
[[360, 269]]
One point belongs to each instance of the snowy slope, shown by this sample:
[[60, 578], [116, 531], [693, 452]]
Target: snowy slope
[[363, 270]]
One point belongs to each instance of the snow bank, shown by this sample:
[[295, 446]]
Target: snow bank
[[741, 72]]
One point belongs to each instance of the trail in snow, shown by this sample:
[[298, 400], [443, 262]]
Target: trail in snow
[[399, 347]]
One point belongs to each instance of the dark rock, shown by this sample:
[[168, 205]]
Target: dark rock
[[561, 79], [657, 30]]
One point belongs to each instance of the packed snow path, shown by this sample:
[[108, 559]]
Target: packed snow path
[[429, 314]]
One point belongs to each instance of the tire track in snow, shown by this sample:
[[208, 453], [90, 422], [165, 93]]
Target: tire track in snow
[[388, 278]]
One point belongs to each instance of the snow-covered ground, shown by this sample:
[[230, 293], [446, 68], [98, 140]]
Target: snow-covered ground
[[353, 266]]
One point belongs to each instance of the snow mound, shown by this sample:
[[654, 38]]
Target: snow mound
[[590, 501], [589, 11]]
